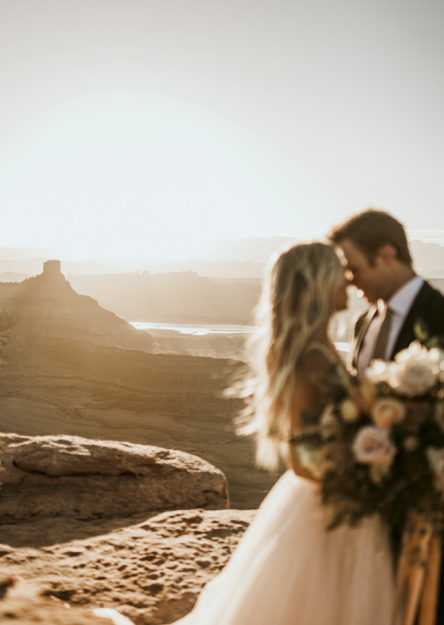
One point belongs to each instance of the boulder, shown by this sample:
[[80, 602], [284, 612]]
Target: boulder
[[73, 477]]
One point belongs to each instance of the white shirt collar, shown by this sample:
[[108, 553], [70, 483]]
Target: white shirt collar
[[401, 302]]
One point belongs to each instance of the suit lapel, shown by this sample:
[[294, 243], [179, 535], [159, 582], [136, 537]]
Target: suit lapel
[[361, 333], [407, 333]]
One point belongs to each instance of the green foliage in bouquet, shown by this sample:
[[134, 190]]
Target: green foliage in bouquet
[[380, 449]]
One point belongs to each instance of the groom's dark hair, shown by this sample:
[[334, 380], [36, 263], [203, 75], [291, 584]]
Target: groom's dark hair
[[372, 229]]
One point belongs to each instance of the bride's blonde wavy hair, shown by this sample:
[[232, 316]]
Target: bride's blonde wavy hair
[[296, 304]]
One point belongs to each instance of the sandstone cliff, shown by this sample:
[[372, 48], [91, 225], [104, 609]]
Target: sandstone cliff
[[70, 367]]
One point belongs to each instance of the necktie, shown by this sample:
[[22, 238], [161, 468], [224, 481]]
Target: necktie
[[384, 331]]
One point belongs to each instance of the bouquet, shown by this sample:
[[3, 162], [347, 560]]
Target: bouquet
[[380, 449]]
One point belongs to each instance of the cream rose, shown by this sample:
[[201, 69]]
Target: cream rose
[[372, 445], [349, 410], [387, 411]]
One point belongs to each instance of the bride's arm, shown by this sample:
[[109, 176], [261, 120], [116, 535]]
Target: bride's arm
[[307, 403], [305, 406]]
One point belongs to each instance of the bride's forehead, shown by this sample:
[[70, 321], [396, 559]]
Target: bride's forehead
[[341, 255]]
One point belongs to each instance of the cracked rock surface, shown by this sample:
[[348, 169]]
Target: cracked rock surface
[[151, 571]]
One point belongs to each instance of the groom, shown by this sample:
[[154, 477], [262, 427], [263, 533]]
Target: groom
[[403, 306]]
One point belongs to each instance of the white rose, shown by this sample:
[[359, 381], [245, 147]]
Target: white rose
[[437, 357], [349, 410], [414, 372], [372, 445], [436, 354], [387, 411]]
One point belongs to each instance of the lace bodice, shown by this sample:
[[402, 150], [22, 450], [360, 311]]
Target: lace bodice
[[330, 382]]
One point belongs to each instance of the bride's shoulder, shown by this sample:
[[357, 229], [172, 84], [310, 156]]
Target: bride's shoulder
[[322, 367], [318, 358]]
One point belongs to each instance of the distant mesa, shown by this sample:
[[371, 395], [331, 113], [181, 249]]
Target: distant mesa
[[52, 269], [175, 297], [46, 306]]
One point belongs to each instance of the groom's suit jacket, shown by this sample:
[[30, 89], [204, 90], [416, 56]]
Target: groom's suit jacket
[[426, 312]]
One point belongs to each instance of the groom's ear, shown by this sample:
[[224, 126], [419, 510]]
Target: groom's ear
[[387, 253]]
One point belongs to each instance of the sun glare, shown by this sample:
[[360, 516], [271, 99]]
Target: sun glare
[[115, 175]]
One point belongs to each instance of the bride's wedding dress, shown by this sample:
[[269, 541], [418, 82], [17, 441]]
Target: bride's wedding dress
[[289, 570]]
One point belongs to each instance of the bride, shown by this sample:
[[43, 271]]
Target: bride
[[288, 568]]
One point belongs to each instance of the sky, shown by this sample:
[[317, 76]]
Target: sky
[[153, 128]]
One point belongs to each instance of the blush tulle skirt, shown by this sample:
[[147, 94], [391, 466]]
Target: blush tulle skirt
[[289, 570]]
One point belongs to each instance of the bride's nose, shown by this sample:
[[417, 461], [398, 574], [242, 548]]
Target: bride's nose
[[349, 276]]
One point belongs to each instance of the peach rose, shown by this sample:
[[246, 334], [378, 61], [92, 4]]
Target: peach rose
[[349, 410], [387, 411]]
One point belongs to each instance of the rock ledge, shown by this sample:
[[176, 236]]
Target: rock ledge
[[73, 477]]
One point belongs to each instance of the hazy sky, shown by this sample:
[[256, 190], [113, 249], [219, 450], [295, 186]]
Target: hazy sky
[[145, 128]]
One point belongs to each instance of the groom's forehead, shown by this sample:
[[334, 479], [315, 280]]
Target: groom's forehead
[[352, 254]]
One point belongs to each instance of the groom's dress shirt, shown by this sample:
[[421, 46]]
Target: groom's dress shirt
[[399, 304]]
